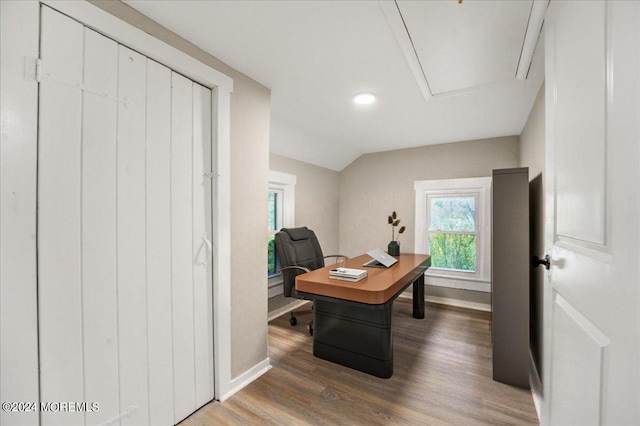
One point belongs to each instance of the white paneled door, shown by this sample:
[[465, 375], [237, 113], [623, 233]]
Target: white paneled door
[[591, 368], [124, 229]]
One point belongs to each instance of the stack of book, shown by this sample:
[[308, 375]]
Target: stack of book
[[348, 274]]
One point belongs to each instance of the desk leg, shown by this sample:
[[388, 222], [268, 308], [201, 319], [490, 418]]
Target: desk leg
[[418, 297]]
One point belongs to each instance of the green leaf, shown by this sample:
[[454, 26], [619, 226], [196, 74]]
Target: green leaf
[[453, 251]]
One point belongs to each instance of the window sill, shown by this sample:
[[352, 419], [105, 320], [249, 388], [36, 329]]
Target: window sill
[[472, 284], [456, 276], [275, 287], [275, 281]]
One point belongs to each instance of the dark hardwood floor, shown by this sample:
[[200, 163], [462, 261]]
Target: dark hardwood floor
[[442, 376]]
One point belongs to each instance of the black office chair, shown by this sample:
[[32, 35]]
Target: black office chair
[[299, 252]]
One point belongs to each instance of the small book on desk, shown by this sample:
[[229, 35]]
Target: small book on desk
[[348, 274]]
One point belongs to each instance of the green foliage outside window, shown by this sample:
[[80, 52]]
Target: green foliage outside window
[[271, 256], [453, 214], [453, 250], [272, 261], [273, 222]]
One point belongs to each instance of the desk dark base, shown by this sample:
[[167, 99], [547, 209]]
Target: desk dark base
[[358, 335]]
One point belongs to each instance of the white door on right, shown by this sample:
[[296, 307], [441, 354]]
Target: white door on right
[[591, 368]]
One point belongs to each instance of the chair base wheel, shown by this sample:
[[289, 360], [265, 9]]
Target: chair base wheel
[[293, 320]]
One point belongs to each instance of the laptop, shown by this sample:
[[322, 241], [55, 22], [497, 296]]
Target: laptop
[[380, 259]]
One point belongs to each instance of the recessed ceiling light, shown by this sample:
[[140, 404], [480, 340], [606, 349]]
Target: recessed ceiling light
[[364, 98]]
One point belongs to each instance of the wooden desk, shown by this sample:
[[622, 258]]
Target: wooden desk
[[352, 321]]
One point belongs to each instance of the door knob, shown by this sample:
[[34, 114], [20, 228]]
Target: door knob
[[536, 261]]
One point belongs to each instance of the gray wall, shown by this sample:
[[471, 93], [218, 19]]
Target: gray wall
[[317, 199], [376, 184], [317, 206], [532, 152], [250, 115]]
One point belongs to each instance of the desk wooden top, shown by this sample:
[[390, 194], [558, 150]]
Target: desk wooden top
[[379, 287]]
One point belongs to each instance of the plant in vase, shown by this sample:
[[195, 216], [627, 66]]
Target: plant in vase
[[394, 246]]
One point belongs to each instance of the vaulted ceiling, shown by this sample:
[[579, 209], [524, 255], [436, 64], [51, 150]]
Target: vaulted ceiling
[[442, 71]]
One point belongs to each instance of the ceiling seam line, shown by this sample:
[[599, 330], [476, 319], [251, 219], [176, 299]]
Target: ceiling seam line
[[424, 75], [524, 38]]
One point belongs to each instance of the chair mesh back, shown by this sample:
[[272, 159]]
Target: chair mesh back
[[297, 247]]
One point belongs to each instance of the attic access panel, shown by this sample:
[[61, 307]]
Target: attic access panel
[[466, 45]]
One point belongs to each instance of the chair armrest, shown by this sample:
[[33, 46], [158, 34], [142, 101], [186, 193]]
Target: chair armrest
[[296, 267], [336, 255]]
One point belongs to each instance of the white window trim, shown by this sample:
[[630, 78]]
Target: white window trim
[[221, 86], [472, 193], [286, 183], [481, 279], [279, 207]]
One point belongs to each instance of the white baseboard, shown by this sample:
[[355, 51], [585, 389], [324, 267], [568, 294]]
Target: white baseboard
[[535, 384], [285, 309], [246, 378], [485, 307], [451, 302]]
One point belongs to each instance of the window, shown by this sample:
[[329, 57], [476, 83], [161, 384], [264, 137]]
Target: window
[[453, 227], [275, 224], [453, 232], [281, 214]]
